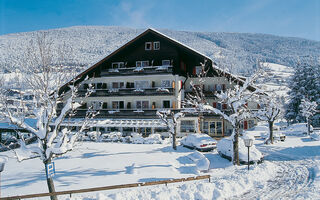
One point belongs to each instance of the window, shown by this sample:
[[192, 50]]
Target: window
[[166, 83], [117, 104], [156, 45], [142, 105], [187, 126], [142, 84], [165, 62], [116, 65], [198, 70], [144, 63], [218, 87], [96, 105], [130, 85], [166, 104], [117, 85], [148, 46]]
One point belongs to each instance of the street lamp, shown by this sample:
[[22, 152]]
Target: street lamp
[[248, 143]]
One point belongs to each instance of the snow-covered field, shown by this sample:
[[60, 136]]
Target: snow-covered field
[[290, 171]]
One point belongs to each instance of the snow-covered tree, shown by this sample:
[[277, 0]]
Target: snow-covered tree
[[270, 110], [44, 79], [236, 98], [308, 109], [171, 121], [304, 83]]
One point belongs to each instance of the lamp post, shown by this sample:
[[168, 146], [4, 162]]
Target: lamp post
[[248, 143]]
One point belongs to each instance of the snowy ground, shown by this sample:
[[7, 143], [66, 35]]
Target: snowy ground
[[291, 171]]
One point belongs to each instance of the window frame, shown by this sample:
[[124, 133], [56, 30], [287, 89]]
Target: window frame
[[146, 44], [142, 104], [135, 84], [118, 64], [163, 85], [154, 45]]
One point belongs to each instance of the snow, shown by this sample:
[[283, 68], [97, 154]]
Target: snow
[[100, 164]]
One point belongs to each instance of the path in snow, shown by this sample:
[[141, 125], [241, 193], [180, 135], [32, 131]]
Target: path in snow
[[293, 181], [295, 178]]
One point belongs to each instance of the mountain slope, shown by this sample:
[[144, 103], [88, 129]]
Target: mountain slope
[[236, 51]]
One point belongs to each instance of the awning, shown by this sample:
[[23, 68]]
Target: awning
[[156, 123]]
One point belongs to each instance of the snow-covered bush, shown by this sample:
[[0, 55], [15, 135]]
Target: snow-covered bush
[[94, 135], [136, 138], [224, 148], [111, 137], [153, 139]]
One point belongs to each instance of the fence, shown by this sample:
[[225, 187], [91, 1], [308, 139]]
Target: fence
[[70, 192]]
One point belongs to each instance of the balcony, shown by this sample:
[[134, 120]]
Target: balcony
[[132, 71], [156, 91]]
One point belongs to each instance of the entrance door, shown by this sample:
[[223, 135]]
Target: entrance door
[[213, 128]]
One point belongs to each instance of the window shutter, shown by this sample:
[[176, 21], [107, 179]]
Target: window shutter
[[223, 87], [215, 87], [214, 104], [245, 125], [194, 71], [173, 104], [258, 106], [173, 84], [224, 106]]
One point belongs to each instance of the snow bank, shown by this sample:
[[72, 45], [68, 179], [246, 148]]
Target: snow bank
[[225, 184], [201, 161]]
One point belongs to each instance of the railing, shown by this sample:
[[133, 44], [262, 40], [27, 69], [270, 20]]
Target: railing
[[112, 187], [128, 92], [137, 71]]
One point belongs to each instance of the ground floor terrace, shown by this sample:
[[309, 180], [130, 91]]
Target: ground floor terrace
[[214, 126]]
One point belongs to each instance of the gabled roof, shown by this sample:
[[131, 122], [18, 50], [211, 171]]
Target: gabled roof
[[150, 30]]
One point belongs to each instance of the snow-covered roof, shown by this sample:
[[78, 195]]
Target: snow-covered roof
[[157, 123]]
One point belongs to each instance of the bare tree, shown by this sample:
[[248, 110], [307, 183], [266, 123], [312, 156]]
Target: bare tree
[[51, 106], [269, 111], [171, 120], [308, 109]]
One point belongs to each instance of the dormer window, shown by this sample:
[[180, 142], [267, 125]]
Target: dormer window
[[148, 46], [117, 65], [156, 45]]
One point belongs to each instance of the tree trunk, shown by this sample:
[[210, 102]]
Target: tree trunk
[[308, 122], [174, 139], [271, 132], [236, 160], [50, 181]]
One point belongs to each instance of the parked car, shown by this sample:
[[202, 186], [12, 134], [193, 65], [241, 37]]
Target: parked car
[[225, 146], [277, 135], [256, 131], [199, 141], [298, 129]]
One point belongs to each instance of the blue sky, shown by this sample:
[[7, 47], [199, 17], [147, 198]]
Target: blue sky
[[298, 18]]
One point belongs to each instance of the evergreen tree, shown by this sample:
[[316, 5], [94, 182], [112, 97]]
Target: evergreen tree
[[304, 83]]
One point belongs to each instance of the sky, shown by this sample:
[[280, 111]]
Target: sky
[[297, 18]]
